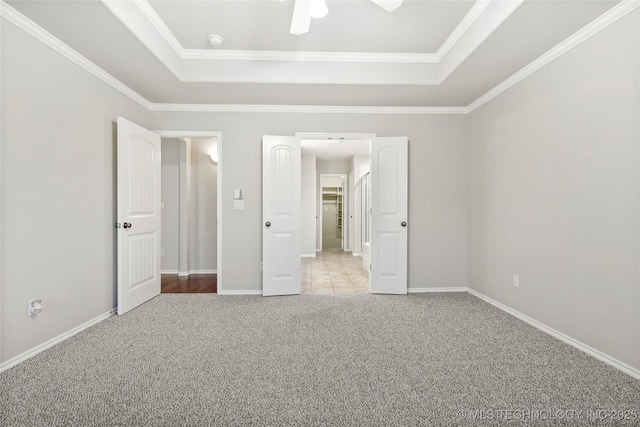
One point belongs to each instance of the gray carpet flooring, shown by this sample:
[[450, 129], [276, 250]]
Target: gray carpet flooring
[[315, 360]]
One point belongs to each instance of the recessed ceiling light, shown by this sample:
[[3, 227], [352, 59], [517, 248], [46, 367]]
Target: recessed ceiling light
[[215, 40]]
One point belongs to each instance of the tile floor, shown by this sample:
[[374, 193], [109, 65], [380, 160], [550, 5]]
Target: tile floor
[[334, 272]]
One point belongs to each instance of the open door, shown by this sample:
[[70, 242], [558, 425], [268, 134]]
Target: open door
[[389, 177], [281, 218], [138, 220]]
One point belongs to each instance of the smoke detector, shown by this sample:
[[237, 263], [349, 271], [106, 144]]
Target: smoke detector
[[215, 40]]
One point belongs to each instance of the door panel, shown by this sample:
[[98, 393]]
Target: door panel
[[138, 215], [281, 176], [389, 193]]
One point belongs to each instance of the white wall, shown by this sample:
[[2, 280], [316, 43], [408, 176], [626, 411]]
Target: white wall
[[437, 185], [554, 185], [203, 216], [308, 204], [58, 191], [171, 199]]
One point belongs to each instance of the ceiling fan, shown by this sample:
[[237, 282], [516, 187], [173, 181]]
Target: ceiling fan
[[304, 10]]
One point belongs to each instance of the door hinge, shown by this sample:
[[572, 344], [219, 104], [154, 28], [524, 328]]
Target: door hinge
[[118, 225]]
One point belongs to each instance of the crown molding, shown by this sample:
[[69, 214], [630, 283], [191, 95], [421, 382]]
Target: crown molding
[[150, 13], [589, 30], [28, 26], [313, 109], [464, 25], [306, 56], [488, 17]]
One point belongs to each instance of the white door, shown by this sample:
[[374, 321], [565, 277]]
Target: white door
[[389, 176], [281, 176], [138, 215]]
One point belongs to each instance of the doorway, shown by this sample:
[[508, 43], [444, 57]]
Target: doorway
[[333, 211], [283, 222], [190, 219], [336, 266]]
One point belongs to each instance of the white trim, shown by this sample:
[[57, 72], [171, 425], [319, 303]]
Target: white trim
[[316, 109], [305, 56], [436, 289], [39, 33], [150, 13], [193, 134], [591, 29], [356, 254], [333, 135], [188, 273], [464, 25], [489, 19], [240, 292], [40, 348], [307, 255], [634, 372]]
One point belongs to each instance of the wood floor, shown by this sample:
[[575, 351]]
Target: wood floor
[[329, 272], [193, 284]]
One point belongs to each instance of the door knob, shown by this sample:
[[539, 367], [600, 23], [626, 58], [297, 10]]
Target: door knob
[[126, 225], [267, 224], [403, 223]]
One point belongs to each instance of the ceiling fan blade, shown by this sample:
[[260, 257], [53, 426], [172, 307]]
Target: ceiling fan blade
[[301, 21], [388, 5]]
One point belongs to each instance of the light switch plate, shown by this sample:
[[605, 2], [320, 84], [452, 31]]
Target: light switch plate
[[238, 204]]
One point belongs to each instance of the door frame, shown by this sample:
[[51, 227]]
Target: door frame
[[331, 135], [183, 134]]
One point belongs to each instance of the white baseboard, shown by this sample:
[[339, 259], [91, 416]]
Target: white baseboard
[[240, 292], [42, 347], [188, 273], [308, 256], [440, 289], [630, 370], [356, 254]]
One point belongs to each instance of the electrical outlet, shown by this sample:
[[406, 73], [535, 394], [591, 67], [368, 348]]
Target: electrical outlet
[[161, 252], [516, 282], [34, 306]]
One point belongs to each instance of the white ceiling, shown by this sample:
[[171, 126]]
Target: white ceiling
[[350, 26], [424, 54]]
